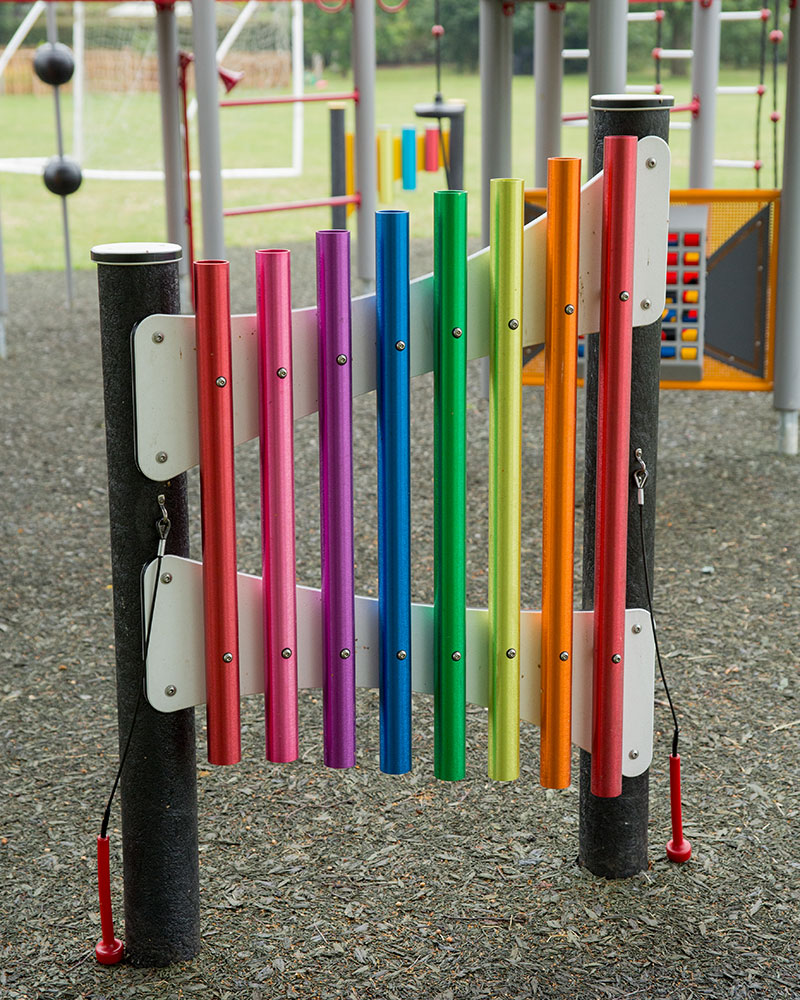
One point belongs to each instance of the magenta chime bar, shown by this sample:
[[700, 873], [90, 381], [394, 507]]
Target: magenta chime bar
[[336, 497], [276, 435], [218, 509]]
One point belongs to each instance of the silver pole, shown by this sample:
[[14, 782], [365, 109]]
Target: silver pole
[[366, 165], [705, 76], [167, 38], [608, 53], [204, 33], [786, 397], [78, 78], [52, 37], [548, 71], [496, 50]]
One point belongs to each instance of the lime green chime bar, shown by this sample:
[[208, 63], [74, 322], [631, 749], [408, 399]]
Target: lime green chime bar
[[450, 477], [505, 468]]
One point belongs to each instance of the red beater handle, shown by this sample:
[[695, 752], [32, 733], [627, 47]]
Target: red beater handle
[[678, 849], [109, 949]]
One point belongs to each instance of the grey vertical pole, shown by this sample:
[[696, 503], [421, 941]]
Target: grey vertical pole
[[548, 72], [204, 33], [495, 54], [705, 76], [366, 158], [786, 399], [158, 787], [613, 832], [608, 52], [338, 165], [167, 38], [52, 37]]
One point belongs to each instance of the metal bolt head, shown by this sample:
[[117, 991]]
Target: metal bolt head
[[401, 654], [342, 359], [513, 324], [633, 754], [227, 657], [400, 345], [456, 656], [624, 296], [158, 338], [511, 653], [345, 654], [569, 309], [645, 303], [563, 655], [282, 373], [650, 162], [161, 457], [286, 653], [166, 577], [457, 331], [170, 690], [222, 381], [636, 629], [616, 658]]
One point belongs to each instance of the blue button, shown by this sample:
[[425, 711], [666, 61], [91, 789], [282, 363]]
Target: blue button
[[667, 352]]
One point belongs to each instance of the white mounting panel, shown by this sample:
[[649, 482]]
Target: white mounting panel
[[165, 390], [176, 654]]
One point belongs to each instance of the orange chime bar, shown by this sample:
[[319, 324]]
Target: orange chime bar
[[558, 488]]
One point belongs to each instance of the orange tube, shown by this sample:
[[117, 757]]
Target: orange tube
[[558, 490]]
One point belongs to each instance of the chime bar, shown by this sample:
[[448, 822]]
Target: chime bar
[[558, 478], [450, 478], [394, 489], [218, 509], [336, 496], [613, 461], [505, 479], [276, 434]]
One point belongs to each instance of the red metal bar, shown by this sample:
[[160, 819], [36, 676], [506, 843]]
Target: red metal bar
[[286, 206], [218, 509], [613, 460], [350, 95], [693, 106], [575, 116]]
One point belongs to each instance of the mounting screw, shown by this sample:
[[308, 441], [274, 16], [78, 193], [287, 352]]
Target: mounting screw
[[511, 653], [161, 457], [636, 629], [633, 754], [401, 654], [400, 345], [624, 296], [342, 359], [222, 382], [227, 657], [286, 653], [345, 654], [564, 655], [457, 331], [282, 373], [158, 338], [569, 309], [456, 656], [166, 577], [645, 303], [513, 324], [616, 658], [650, 162], [170, 690]]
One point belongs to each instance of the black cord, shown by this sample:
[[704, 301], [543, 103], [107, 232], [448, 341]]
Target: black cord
[[676, 732]]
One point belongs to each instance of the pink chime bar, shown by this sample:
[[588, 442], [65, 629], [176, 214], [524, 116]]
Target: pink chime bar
[[276, 429], [218, 509], [432, 149], [613, 461]]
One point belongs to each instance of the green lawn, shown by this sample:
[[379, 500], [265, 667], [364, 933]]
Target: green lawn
[[126, 133]]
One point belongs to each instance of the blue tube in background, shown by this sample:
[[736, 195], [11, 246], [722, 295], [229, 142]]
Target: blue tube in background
[[394, 489], [409, 158]]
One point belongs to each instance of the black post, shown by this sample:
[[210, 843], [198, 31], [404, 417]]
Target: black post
[[338, 165], [158, 787], [613, 832]]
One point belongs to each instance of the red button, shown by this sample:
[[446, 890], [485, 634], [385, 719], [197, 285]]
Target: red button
[[672, 277], [690, 277], [672, 240], [691, 239], [672, 258]]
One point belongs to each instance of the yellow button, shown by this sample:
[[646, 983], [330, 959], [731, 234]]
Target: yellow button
[[691, 295], [689, 334], [691, 257], [689, 353]]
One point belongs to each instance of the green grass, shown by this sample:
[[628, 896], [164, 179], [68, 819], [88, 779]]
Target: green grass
[[127, 134]]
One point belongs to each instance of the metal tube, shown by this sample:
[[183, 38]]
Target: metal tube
[[558, 477], [298, 82], [218, 509], [505, 475], [366, 167], [705, 77], [336, 497], [394, 489], [385, 166], [496, 59], [608, 51], [169, 97], [204, 33], [409, 138], [431, 149], [548, 70], [78, 79], [159, 845], [276, 435], [338, 168], [450, 479], [52, 37], [456, 151], [786, 398]]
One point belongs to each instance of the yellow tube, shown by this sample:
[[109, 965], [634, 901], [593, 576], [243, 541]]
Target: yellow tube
[[385, 166], [397, 153], [350, 167]]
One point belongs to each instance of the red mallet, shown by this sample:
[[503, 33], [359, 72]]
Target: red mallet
[[109, 950], [678, 849]]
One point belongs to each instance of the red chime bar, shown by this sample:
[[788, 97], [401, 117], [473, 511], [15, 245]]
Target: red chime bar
[[218, 509], [613, 460]]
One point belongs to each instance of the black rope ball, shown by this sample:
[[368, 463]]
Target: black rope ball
[[62, 175], [53, 63]]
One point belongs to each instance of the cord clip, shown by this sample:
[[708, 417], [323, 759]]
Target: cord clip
[[163, 526], [640, 476]]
